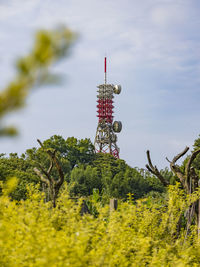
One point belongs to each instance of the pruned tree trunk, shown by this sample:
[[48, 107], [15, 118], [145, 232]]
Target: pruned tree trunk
[[52, 184], [188, 179]]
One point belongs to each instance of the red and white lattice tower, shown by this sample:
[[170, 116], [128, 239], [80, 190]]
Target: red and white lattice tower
[[106, 138]]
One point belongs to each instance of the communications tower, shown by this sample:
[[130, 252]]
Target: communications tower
[[106, 138]]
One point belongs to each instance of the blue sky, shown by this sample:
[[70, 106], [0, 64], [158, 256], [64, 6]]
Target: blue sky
[[153, 50]]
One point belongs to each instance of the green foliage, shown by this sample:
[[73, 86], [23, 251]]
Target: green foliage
[[76, 151], [83, 180], [22, 167], [118, 179], [70, 152], [38, 157], [197, 143], [33, 234], [83, 170], [94, 203], [32, 70], [79, 151], [196, 162], [15, 166]]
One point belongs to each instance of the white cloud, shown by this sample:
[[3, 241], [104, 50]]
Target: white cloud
[[169, 15], [11, 8]]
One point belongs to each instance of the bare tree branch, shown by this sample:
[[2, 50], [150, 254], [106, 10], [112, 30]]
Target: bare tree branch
[[154, 170], [43, 170], [190, 182], [177, 157], [40, 143], [149, 160], [176, 169], [43, 179], [50, 167]]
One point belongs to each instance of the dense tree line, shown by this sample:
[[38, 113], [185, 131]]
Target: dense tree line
[[83, 170]]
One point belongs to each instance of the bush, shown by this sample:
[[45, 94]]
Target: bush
[[34, 234]]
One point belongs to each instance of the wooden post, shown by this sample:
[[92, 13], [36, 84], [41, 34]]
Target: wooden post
[[113, 204]]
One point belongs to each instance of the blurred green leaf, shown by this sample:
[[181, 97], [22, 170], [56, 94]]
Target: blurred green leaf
[[8, 131], [33, 69]]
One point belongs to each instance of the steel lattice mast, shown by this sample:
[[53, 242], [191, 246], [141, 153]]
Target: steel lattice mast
[[106, 139]]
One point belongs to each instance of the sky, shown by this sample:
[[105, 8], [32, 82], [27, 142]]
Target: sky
[[153, 51]]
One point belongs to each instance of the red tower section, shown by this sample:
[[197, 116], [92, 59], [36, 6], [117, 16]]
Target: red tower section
[[105, 140], [105, 110]]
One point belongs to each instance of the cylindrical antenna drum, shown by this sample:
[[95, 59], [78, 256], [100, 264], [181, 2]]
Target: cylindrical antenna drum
[[117, 126], [117, 89]]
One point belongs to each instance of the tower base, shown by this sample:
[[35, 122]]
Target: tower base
[[106, 139]]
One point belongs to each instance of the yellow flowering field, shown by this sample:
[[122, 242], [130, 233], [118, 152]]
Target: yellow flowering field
[[32, 233]]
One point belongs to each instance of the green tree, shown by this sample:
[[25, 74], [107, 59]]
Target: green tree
[[196, 162], [83, 180], [14, 166], [83, 170], [119, 179], [40, 159], [79, 151], [71, 153]]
